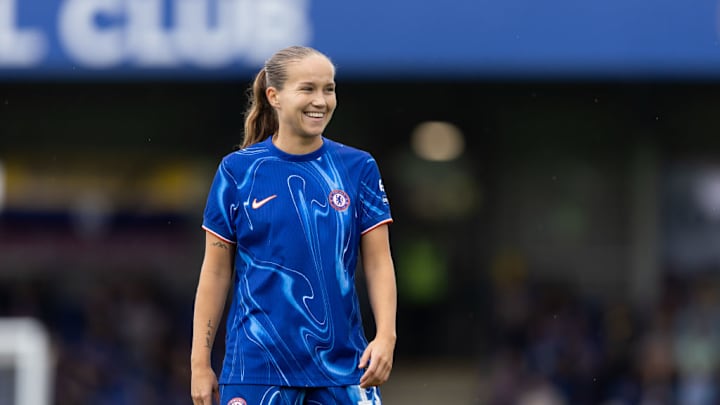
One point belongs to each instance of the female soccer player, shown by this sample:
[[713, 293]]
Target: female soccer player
[[291, 211]]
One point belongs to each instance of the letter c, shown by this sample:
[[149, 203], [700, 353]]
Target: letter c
[[86, 42]]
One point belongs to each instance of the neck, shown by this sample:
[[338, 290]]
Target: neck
[[297, 145]]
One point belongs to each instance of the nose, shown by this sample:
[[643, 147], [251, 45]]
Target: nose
[[319, 100]]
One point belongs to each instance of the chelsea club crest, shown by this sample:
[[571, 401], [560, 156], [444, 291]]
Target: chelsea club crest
[[339, 200]]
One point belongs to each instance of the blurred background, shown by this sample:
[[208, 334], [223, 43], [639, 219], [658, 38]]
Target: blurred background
[[553, 170]]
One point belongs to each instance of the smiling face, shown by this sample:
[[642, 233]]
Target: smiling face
[[306, 101]]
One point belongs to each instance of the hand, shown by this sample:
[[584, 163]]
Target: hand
[[378, 359], [204, 387]]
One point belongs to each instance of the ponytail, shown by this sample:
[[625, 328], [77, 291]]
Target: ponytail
[[260, 118]]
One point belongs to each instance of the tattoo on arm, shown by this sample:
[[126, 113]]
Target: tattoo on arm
[[220, 245], [208, 335]]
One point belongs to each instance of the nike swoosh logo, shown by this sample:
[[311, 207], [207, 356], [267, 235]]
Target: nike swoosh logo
[[257, 204]]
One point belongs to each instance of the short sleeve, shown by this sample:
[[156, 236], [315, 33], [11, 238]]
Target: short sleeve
[[375, 207], [222, 206]]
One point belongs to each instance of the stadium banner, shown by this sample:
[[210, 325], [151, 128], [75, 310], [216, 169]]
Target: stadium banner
[[211, 39]]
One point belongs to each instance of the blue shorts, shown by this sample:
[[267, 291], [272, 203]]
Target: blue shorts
[[232, 394]]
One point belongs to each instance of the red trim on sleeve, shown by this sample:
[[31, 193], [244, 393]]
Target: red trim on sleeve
[[387, 221], [218, 235]]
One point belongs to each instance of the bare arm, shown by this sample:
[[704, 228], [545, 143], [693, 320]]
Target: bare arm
[[213, 285], [382, 290]]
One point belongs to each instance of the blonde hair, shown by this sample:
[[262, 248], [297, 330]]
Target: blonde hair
[[260, 117]]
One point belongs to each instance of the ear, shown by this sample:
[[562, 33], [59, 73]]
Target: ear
[[272, 96]]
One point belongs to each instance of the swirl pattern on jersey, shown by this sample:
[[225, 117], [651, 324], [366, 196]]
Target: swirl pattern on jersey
[[295, 318]]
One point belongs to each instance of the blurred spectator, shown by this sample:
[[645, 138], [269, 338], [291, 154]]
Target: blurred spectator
[[127, 341], [696, 336], [115, 343], [552, 346]]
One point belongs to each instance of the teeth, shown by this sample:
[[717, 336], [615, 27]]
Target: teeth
[[315, 114]]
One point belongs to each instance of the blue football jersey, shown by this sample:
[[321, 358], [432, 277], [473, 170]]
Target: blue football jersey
[[296, 222]]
